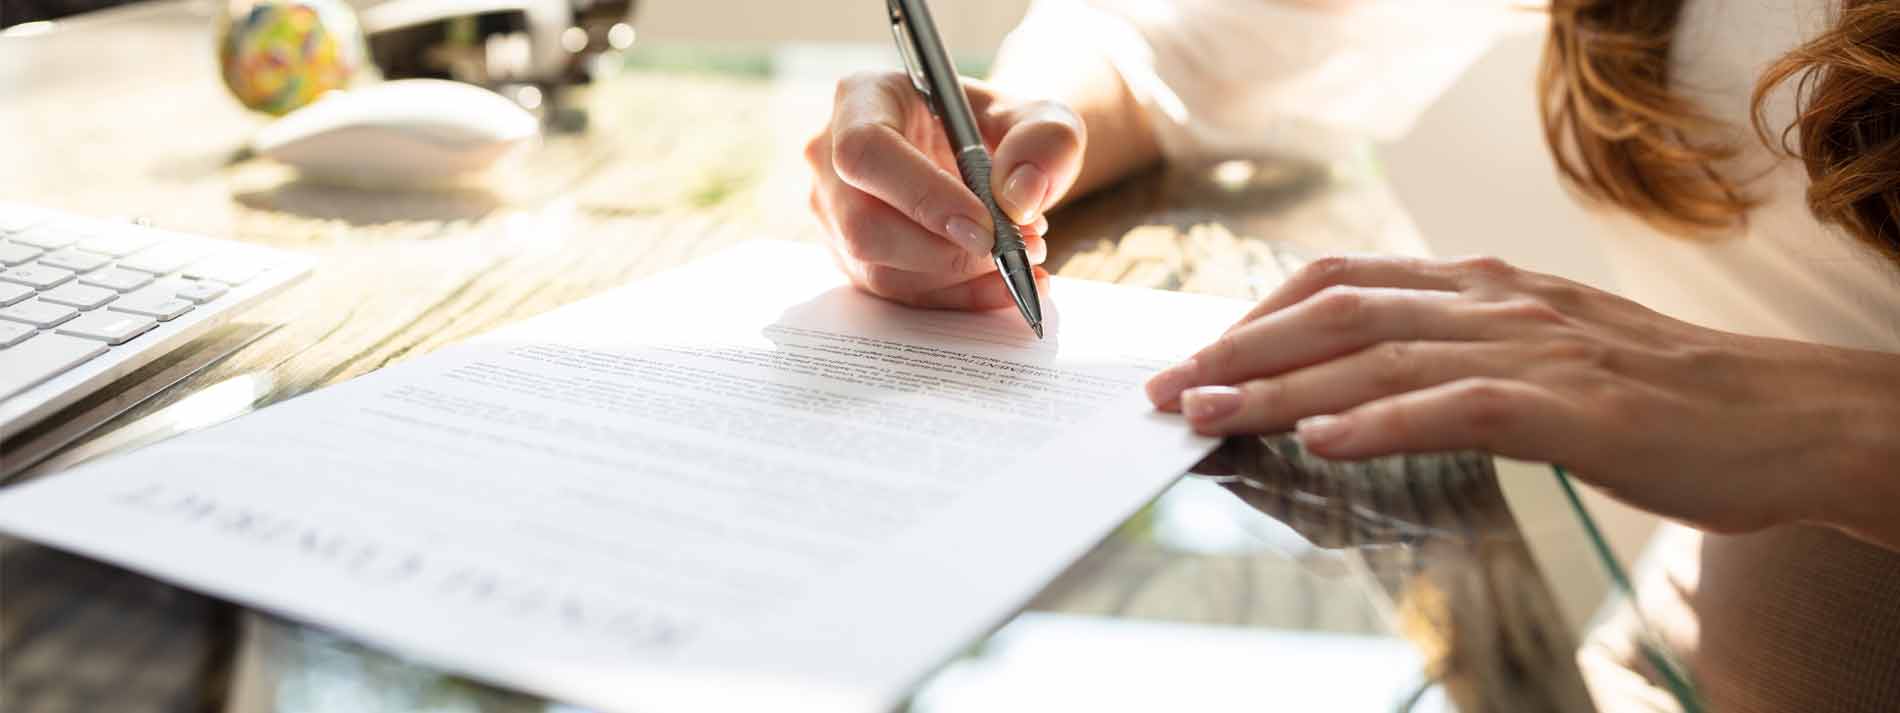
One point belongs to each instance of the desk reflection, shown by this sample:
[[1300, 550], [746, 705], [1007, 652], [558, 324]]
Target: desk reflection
[[1432, 532]]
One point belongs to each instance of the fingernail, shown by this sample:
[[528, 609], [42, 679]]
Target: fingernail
[[1023, 193], [1038, 251], [1322, 430], [969, 235], [1166, 386], [1207, 404]]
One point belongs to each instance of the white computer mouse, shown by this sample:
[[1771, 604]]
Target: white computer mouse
[[402, 132]]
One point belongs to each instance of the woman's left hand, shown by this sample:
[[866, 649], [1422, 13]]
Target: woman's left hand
[[1377, 355]]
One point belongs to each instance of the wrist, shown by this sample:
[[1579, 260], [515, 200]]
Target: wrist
[[1863, 468]]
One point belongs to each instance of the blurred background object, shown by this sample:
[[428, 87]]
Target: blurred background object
[[531, 51], [400, 134], [976, 27], [279, 55], [17, 12]]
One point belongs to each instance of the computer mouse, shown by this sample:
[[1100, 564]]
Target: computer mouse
[[403, 132]]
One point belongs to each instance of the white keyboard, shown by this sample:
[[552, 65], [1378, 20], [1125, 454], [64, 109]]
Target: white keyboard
[[84, 302]]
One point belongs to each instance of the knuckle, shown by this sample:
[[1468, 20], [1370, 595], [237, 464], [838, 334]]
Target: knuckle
[[1559, 291], [961, 262], [854, 145], [857, 236], [1329, 270], [1221, 354], [1490, 405], [857, 246], [1395, 368], [858, 81], [1072, 122], [1530, 310], [924, 208], [1564, 298], [1263, 391], [816, 149], [1340, 307], [1485, 267], [1263, 395], [885, 282], [1052, 128]]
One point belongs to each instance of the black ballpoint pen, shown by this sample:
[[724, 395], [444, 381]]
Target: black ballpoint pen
[[936, 79]]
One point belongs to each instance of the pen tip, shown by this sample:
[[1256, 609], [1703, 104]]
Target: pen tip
[[1037, 326]]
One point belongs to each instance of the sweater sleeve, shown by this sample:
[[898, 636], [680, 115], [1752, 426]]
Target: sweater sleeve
[[1305, 78]]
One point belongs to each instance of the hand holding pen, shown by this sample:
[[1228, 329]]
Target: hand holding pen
[[897, 215]]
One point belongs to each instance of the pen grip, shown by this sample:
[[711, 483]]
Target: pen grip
[[973, 163]]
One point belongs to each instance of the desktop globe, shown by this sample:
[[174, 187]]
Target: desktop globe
[[279, 55]]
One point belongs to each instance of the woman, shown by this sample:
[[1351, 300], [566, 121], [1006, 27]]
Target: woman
[[1746, 157]]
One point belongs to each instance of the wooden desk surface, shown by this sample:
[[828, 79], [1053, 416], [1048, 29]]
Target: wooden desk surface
[[122, 114]]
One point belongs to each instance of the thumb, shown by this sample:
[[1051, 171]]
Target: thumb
[[1037, 160]]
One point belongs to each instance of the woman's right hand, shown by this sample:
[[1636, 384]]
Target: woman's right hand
[[897, 217]]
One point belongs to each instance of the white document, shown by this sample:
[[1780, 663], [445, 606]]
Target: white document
[[738, 485]]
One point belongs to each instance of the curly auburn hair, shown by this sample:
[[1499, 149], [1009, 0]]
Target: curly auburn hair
[[1622, 137]]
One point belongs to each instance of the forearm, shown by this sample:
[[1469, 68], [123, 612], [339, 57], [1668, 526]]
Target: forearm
[[1119, 142]]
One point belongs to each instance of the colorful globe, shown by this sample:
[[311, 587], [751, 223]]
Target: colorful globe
[[282, 54]]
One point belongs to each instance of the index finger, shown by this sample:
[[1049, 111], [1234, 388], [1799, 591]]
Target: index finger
[[871, 153], [1355, 271], [1330, 325]]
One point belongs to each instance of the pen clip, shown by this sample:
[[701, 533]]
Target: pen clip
[[907, 48]]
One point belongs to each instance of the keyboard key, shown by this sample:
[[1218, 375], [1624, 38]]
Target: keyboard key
[[75, 260], [119, 243], [46, 236], [12, 292], [15, 218], [12, 333], [199, 292], [152, 303], [84, 228], [228, 270], [12, 253], [113, 278], [35, 276], [107, 326], [38, 313], [41, 358], [165, 258], [73, 294]]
